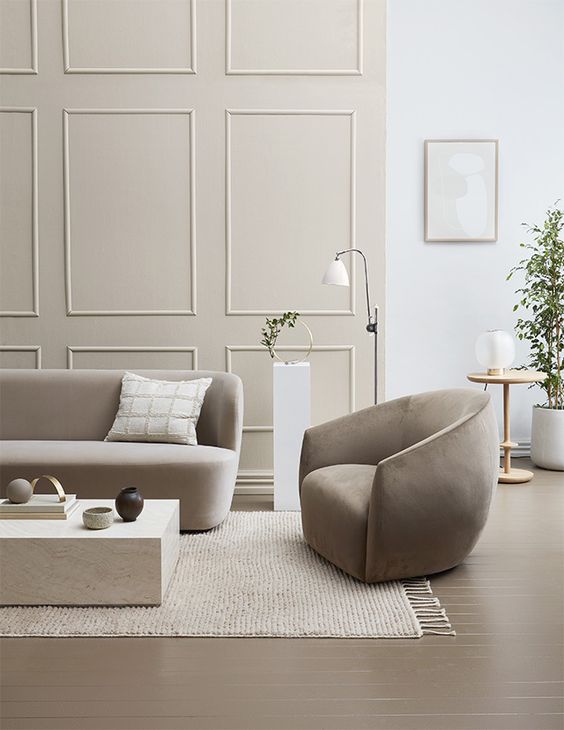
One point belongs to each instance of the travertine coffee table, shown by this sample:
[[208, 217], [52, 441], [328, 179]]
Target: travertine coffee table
[[56, 562]]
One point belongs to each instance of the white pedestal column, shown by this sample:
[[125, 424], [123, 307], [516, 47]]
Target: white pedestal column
[[292, 415]]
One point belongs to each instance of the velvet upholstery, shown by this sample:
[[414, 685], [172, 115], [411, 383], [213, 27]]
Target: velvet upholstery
[[401, 489], [55, 421]]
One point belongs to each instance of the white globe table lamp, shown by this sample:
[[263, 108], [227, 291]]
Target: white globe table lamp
[[495, 350], [337, 275]]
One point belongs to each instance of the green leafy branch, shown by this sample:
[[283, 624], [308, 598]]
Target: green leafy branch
[[542, 302], [273, 328]]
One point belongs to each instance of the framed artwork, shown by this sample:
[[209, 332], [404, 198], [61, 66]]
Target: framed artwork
[[461, 190]]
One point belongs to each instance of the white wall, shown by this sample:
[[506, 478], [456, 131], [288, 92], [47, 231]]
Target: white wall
[[467, 69]]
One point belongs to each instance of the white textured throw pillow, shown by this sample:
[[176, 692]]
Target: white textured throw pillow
[[158, 410]]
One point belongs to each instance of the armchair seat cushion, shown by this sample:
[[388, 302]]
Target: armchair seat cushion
[[335, 503]]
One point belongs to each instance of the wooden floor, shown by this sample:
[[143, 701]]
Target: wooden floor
[[504, 669]]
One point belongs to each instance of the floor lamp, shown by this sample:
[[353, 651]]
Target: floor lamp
[[337, 275]]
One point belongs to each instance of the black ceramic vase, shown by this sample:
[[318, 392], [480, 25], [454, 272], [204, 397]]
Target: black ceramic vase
[[129, 504]]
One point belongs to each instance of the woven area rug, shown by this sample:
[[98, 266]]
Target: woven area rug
[[252, 576]]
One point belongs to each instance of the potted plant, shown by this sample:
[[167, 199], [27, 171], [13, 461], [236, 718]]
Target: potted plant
[[542, 325]]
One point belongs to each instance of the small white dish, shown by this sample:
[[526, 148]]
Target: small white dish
[[98, 518]]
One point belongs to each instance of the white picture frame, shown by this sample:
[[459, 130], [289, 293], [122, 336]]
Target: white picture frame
[[461, 190]]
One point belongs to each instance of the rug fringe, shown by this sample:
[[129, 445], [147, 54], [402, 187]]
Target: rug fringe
[[426, 607]]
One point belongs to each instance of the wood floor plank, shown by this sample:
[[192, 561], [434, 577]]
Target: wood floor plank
[[247, 651], [247, 691], [263, 707], [362, 659], [479, 721]]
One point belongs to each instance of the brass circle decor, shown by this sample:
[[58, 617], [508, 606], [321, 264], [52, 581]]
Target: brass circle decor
[[307, 354]]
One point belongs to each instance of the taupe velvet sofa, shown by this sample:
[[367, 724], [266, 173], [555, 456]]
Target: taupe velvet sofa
[[55, 422], [401, 489]]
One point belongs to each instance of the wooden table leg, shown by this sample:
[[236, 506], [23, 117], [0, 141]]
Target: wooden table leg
[[506, 431], [509, 475]]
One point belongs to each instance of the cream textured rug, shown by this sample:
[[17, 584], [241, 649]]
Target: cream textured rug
[[252, 576]]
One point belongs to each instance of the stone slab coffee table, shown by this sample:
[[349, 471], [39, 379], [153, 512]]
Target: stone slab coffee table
[[61, 562]]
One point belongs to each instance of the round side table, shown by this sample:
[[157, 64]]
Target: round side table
[[509, 377]]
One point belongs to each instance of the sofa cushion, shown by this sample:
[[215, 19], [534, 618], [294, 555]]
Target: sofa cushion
[[158, 410], [111, 454], [98, 469]]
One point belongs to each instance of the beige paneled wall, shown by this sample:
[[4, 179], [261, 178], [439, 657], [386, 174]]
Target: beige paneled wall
[[172, 171]]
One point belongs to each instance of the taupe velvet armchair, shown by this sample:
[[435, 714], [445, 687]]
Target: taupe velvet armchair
[[401, 489]]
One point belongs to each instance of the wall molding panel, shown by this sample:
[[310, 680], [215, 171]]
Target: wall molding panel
[[34, 69], [71, 310], [25, 348], [72, 350], [34, 311], [70, 69], [229, 113], [230, 70]]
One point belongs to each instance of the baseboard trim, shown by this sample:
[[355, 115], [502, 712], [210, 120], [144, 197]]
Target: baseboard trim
[[257, 490], [254, 481]]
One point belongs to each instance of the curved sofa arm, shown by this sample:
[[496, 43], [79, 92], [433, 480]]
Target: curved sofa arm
[[364, 437], [230, 414], [430, 502]]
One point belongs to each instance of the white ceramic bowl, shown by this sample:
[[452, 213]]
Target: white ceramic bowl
[[98, 518]]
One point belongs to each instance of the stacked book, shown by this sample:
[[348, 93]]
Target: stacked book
[[39, 507]]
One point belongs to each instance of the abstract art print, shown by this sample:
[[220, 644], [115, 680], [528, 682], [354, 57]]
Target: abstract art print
[[461, 190]]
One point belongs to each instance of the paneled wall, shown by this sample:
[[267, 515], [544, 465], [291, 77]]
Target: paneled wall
[[173, 171]]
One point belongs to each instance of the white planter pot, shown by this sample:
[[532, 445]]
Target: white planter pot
[[547, 438]]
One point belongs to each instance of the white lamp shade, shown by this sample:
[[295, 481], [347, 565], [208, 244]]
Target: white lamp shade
[[336, 274], [495, 350]]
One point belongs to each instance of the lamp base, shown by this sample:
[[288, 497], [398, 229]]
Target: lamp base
[[515, 476], [496, 371]]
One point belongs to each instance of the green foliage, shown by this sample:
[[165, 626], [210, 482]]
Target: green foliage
[[273, 327], [542, 302]]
